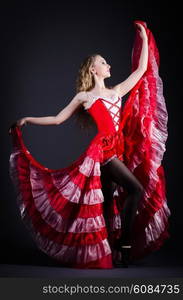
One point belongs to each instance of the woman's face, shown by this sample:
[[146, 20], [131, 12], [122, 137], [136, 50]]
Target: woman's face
[[100, 67]]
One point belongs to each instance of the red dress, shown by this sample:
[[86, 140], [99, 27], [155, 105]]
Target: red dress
[[107, 116], [63, 208]]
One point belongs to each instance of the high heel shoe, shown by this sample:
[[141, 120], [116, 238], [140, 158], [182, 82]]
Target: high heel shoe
[[125, 255], [125, 252]]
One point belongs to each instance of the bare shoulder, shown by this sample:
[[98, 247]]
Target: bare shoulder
[[115, 91], [81, 97], [114, 88]]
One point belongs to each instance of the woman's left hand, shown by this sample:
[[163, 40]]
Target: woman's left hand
[[19, 123], [143, 33]]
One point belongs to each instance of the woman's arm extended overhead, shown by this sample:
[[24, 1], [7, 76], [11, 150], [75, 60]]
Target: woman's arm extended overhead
[[125, 86]]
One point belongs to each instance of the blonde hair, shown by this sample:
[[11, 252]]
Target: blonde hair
[[85, 82]]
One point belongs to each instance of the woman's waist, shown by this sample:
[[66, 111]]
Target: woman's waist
[[109, 132], [109, 138]]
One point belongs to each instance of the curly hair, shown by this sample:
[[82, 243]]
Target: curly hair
[[85, 82]]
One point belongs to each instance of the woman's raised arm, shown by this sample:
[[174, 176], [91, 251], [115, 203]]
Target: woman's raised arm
[[125, 86]]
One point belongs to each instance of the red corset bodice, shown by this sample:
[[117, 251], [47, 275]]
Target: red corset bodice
[[106, 113], [107, 116]]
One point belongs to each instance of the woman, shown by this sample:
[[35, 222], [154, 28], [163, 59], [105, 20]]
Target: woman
[[70, 223]]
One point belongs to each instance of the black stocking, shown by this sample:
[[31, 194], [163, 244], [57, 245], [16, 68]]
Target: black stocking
[[116, 171]]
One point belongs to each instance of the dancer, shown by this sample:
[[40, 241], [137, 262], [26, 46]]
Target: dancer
[[109, 206]]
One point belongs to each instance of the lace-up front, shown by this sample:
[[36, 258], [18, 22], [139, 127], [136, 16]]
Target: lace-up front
[[114, 109], [112, 104]]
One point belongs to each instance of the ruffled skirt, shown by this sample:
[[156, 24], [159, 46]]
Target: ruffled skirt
[[63, 209]]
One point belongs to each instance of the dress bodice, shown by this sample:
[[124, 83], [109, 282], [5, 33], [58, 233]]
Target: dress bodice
[[105, 111]]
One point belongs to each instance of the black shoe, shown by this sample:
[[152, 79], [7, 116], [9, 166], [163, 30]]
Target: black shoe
[[125, 255]]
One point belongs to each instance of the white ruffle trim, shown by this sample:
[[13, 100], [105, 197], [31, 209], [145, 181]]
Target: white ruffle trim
[[92, 98], [158, 224]]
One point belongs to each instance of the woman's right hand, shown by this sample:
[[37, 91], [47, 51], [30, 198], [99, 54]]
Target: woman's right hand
[[142, 30], [18, 123]]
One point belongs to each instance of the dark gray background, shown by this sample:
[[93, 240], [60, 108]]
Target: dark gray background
[[42, 46]]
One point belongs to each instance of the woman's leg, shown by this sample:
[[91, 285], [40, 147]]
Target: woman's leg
[[119, 173], [107, 190]]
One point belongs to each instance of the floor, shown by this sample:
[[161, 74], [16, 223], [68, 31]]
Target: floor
[[158, 264]]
